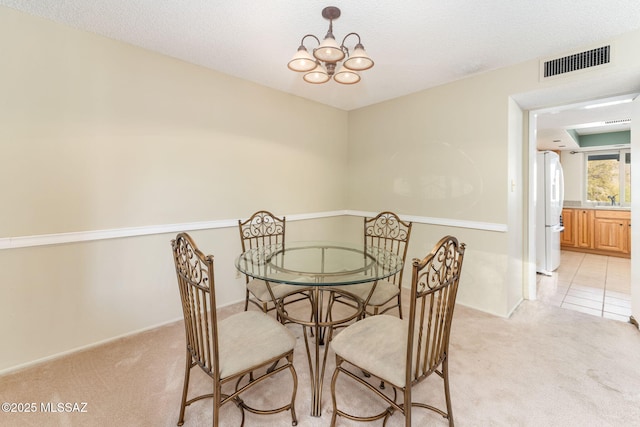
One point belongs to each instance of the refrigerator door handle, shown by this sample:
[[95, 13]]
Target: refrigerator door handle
[[561, 185]]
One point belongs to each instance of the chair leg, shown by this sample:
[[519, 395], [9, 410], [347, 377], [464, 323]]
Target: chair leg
[[407, 406], [216, 411], [400, 305], [185, 387], [333, 392], [445, 377], [246, 301], [294, 418]]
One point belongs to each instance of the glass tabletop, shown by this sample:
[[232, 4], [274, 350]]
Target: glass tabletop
[[318, 263]]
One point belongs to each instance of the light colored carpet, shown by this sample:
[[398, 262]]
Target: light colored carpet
[[544, 366]]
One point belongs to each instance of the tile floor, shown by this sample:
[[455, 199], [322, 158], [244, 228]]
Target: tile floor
[[592, 284]]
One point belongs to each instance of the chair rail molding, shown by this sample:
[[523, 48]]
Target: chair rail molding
[[449, 222], [116, 233]]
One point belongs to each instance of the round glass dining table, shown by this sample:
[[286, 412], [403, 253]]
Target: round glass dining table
[[316, 268]]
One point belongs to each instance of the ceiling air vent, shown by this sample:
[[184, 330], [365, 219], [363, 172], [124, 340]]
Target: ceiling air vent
[[617, 122], [577, 61]]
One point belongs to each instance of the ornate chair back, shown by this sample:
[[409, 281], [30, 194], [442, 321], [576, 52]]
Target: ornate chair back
[[386, 230], [261, 229], [197, 293], [434, 286]]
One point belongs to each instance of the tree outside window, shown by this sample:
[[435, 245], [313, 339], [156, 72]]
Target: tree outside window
[[609, 178]]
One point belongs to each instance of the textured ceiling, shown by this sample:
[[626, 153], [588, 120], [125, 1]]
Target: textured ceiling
[[416, 44]]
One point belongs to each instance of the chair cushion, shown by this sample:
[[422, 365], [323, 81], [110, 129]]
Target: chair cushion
[[377, 345], [249, 339], [384, 292], [259, 289]]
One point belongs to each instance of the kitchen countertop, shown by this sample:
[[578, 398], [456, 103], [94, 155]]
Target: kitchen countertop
[[600, 208], [574, 204]]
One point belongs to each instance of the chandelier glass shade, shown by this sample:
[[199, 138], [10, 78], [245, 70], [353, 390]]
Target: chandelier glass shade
[[325, 62], [318, 75]]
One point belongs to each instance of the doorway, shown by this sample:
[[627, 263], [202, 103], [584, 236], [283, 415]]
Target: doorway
[[559, 129]]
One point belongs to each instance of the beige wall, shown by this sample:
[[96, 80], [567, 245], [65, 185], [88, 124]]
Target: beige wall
[[460, 152], [99, 135], [442, 153], [406, 153]]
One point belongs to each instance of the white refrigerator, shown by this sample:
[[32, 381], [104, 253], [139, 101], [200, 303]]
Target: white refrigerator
[[549, 200]]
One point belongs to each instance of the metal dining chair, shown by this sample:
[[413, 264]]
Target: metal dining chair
[[237, 352], [403, 352], [385, 231], [262, 229]]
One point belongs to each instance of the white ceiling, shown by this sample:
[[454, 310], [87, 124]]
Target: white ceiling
[[585, 118], [416, 44]]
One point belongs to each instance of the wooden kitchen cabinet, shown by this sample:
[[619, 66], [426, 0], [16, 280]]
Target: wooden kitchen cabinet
[[604, 232], [612, 231], [584, 228], [568, 236]]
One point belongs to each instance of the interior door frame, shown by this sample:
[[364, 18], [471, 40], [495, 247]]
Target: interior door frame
[[530, 291]]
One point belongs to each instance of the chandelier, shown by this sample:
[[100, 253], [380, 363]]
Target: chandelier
[[325, 62]]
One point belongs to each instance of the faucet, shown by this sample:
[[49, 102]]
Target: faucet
[[613, 199]]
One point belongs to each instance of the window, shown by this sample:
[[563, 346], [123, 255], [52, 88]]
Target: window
[[609, 177]]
